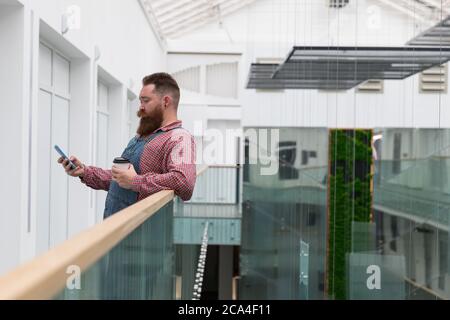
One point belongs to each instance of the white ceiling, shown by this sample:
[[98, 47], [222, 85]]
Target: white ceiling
[[425, 11], [173, 18]]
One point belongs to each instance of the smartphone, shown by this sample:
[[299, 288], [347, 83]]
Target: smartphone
[[58, 149]]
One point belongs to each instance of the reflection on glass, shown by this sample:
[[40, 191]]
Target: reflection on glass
[[372, 229], [411, 206], [376, 277], [140, 267], [283, 222]]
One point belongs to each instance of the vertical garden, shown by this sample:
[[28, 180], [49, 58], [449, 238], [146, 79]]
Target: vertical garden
[[350, 200]]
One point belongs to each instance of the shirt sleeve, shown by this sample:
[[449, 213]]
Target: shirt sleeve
[[181, 173], [97, 178]]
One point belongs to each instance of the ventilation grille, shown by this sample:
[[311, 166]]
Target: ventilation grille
[[222, 80], [188, 79], [371, 86], [434, 79], [338, 3]]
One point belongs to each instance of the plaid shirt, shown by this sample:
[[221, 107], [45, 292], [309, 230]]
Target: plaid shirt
[[167, 163]]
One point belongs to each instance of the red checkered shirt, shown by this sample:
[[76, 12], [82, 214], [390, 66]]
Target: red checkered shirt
[[167, 163]]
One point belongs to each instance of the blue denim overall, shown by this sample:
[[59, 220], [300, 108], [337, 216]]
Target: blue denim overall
[[119, 198], [115, 266]]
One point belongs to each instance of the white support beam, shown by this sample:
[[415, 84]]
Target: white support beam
[[180, 30], [196, 15], [158, 4], [176, 17], [417, 7], [176, 6], [169, 17], [190, 10], [437, 4], [153, 22], [398, 7]]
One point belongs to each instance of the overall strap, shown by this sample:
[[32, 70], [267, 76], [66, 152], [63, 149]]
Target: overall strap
[[159, 132]]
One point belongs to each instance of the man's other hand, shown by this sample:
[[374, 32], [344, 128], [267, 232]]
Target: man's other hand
[[124, 177]]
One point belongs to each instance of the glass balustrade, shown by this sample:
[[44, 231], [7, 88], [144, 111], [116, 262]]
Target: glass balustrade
[[141, 266]]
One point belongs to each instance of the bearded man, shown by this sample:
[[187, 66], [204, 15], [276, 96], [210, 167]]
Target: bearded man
[[161, 155]]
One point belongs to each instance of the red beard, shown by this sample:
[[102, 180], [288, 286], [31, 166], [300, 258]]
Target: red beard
[[149, 121]]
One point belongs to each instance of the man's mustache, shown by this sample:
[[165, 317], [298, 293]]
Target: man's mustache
[[141, 114]]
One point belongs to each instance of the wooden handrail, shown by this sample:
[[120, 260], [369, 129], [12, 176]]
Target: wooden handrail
[[44, 276], [424, 288], [202, 170]]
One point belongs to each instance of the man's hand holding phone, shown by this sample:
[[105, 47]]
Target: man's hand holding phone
[[77, 172], [72, 166]]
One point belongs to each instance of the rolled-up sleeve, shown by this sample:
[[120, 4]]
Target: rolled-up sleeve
[[181, 175]]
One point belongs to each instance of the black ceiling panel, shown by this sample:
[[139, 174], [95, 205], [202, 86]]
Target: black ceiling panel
[[342, 68]]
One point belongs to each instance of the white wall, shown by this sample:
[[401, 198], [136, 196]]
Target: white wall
[[13, 137], [118, 27], [199, 111], [129, 51], [269, 28]]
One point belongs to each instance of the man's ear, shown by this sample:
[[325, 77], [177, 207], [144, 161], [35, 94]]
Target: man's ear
[[167, 100]]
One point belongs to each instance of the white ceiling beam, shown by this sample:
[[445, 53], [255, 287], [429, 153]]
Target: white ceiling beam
[[190, 10], [195, 15], [153, 22], [176, 6], [417, 7], [187, 21], [175, 16], [159, 4], [432, 3], [199, 19], [176, 32], [406, 11], [437, 4]]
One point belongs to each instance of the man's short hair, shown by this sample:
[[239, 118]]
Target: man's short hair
[[164, 84]]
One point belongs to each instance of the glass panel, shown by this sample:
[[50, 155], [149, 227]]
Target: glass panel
[[284, 216], [209, 190], [412, 206], [141, 266], [392, 247], [186, 268], [363, 237], [376, 277], [304, 270]]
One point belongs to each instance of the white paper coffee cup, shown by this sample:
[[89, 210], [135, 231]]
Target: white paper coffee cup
[[121, 163]]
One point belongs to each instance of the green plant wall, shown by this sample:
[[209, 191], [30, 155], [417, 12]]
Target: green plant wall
[[349, 200]]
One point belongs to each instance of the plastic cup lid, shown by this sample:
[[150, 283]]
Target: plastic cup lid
[[121, 160]]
